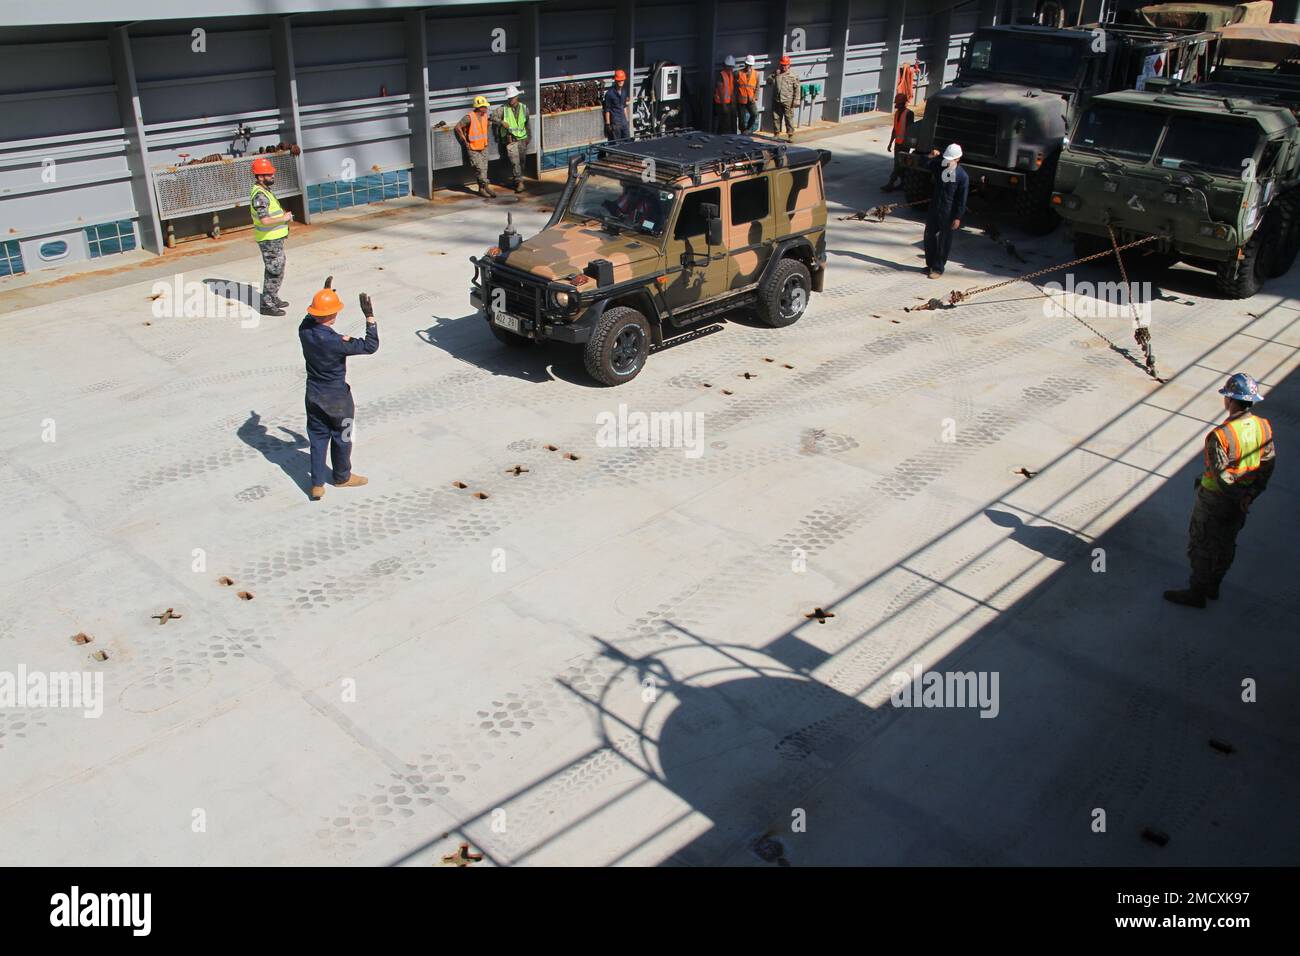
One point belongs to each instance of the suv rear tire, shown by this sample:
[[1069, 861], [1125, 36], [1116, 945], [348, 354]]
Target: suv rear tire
[[783, 296], [618, 347]]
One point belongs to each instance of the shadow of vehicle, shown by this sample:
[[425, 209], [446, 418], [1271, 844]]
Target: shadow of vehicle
[[468, 339]]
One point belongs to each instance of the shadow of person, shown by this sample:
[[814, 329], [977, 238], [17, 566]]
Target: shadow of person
[[239, 292], [1048, 541], [292, 455]]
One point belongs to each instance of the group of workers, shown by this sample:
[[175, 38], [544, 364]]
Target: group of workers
[[735, 97], [1239, 453]]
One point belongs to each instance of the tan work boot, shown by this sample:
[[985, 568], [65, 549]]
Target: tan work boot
[[356, 481], [486, 192], [317, 492]]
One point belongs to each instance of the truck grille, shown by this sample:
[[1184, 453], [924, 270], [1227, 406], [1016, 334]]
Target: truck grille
[[976, 130], [522, 297]]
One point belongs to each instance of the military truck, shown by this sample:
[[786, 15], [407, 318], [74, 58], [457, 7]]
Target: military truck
[[1209, 169], [1018, 91], [653, 237]]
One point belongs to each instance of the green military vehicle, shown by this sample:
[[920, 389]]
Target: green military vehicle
[[1210, 169], [1019, 90], [651, 238]]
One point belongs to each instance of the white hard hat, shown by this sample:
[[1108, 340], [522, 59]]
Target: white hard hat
[[512, 91], [749, 60], [729, 61], [952, 152]]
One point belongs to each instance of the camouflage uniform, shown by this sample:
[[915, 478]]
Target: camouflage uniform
[[478, 158], [1217, 516], [272, 258], [785, 97], [516, 150]]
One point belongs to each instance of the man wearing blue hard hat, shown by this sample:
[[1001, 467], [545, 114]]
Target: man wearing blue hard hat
[[1239, 460]]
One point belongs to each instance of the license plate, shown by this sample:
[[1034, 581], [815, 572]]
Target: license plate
[[506, 321]]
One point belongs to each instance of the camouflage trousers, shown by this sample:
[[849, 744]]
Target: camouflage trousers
[[516, 151], [478, 159], [272, 269], [1212, 537], [782, 114]]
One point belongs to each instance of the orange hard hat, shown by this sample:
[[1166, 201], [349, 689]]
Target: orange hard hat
[[785, 61], [620, 75], [263, 167], [325, 303]]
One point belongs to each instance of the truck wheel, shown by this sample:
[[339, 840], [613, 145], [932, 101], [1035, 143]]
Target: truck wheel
[[619, 345], [917, 185], [1033, 206], [1249, 271], [1284, 236], [784, 294], [506, 337]]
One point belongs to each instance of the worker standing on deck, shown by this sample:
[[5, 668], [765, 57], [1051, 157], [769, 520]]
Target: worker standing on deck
[[947, 206], [472, 131], [330, 408], [747, 96], [512, 121], [616, 108], [785, 95], [903, 119], [270, 229], [724, 97], [1239, 459]]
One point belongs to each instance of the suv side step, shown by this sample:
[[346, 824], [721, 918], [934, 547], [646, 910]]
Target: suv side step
[[716, 307]]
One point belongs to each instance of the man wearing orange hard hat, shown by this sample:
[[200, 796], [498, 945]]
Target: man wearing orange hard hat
[[330, 408], [785, 94], [616, 108], [270, 229]]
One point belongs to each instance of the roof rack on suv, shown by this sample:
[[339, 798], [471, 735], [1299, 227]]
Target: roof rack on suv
[[669, 157]]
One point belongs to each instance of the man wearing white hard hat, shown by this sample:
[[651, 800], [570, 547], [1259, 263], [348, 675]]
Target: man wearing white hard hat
[[724, 97], [747, 96], [511, 122], [947, 206]]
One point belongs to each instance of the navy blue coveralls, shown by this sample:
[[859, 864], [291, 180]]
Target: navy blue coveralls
[[615, 104], [330, 408], [946, 205]]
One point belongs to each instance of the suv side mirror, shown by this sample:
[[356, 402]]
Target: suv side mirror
[[715, 231]]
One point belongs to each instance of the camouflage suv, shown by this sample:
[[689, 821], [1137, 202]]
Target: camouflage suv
[[651, 238], [1210, 170]]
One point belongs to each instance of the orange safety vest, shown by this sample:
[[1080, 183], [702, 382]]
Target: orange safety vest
[[1243, 439], [722, 89], [747, 88], [900, 126], [478, 131]]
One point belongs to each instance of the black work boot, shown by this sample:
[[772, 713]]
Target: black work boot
[[1187, 598], [280, 303], [1212, 592], [270, 309]]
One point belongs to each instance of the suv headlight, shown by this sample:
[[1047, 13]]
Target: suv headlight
[[561, 300]]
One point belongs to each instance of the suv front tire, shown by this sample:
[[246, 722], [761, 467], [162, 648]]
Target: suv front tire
[[619, 346]]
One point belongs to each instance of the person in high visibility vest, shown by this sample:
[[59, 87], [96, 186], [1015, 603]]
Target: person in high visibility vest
[[472, 131], [724, 98], [511, 121], [903, 120], [785, 96], [270, 229], [1239, 459], [330, 408], [747, 96], [616, 108]]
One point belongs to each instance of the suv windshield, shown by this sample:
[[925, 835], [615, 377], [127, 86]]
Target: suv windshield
[[1044, 58], [622, 203], [1214, 145], [1118, 131]]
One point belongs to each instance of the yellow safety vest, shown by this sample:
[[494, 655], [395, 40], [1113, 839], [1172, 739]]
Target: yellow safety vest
[[272, 230], [516, 120], [1243, 439]]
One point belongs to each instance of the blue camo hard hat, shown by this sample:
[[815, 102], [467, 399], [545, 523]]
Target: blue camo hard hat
[[1243, 388]]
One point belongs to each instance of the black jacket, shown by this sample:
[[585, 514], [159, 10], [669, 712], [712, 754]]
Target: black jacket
[[326, 353]]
